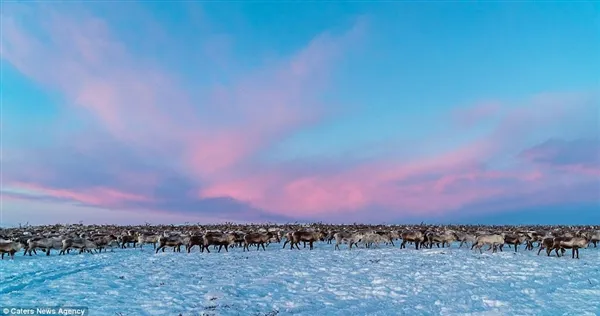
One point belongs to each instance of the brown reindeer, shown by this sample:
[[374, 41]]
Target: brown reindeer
[[546, 243], [309, 237], [218, 239], [195, 240], [10, 247], [445, 238], [259, 239], [412, 236], [105, 241], [78, 243], [573, 243], [239, 238], [534, 237], [172, 241], [514, 239], [124, 240], [43, 243]]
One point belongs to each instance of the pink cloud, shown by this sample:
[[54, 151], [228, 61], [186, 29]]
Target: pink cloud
[[105, 197], [372, 184], [425, 185], [214, 138], [97, 73], [83, 61]]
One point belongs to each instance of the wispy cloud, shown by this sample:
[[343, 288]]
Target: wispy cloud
[[141, 107], [426, 186], [150, 143], [579, 155]]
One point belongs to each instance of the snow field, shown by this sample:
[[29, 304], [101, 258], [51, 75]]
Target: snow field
[[383, 281]]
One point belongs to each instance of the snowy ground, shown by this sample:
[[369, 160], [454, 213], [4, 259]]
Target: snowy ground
[[385, 281]]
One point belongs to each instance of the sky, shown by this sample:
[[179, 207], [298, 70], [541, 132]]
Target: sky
[[390, 112]]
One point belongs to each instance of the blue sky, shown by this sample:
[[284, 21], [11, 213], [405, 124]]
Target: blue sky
[[300, 111]]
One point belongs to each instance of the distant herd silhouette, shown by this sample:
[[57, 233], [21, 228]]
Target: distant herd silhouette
[[95, 238]]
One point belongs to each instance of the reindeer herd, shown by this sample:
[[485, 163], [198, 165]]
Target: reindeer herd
[[96, 238]]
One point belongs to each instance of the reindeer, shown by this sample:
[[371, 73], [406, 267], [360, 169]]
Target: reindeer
[[125, 240], [78, 243], [43, 243], [195, 240], [143, 239], [349, 238], [387, 237], [546, 243], [239, 239], [371, 238], [513, 239], [573, 243], [10, 247], [495, 241], [309, 237], [218, 239], [445, 239], [260, 239], [171, 241], [412, 236], [529, 239], [105, 241], [289, 237]]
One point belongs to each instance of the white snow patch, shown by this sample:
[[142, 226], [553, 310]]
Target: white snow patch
[[384, 281]]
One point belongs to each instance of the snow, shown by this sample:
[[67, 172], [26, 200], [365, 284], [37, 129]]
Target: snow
[[383, 281]]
